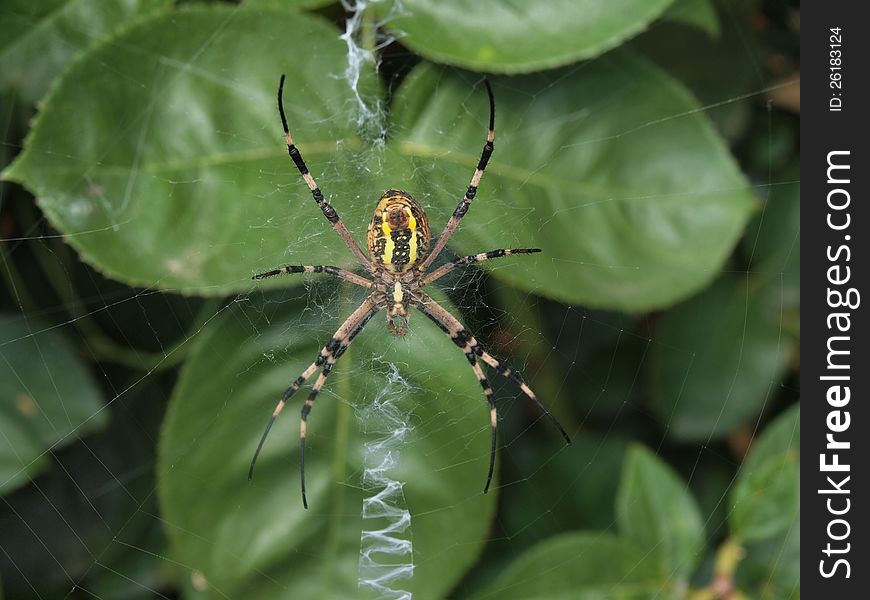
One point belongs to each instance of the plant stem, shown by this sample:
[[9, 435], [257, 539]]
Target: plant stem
[[723, 587]]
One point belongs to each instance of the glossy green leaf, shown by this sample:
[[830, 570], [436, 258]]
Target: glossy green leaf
[[697, 13], [578, 566], [722, 73], [516, 37], [718, 358], [38, 39], [49, 397], [656, 511], [766, 497], [255, 539], [608, 168], [302, 4], [13, 116], [160, 154]]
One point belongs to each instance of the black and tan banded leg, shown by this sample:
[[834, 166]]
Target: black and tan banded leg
[[462, 338], [339, 348], [339, 341], [328, 269], [328, 211], [493, 414], [466, 201], [508, 373], [474, 258]]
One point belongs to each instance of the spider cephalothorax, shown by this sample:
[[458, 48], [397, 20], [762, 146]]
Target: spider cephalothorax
[[398, 241]]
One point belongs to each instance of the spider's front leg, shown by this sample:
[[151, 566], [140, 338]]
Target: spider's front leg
[[471, 192], [328, 269], [473, 258], [328, 211]]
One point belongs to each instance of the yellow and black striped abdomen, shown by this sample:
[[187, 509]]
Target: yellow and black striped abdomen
[[398, 236]]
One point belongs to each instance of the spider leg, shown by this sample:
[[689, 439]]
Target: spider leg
[[328, 211], [328, 269], [493, 414], [315, 390], [463, 205], [462, 338], [487, 392], [508, 373], [466, 260], [336, 346]]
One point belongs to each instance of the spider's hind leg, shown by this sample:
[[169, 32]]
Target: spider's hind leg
[[493, 415], [462, 338], [329, 354]]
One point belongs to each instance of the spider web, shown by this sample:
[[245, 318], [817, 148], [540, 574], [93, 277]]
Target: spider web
[[89, 525]]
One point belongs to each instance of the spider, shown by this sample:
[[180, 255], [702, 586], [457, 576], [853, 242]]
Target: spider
[[398, 240]]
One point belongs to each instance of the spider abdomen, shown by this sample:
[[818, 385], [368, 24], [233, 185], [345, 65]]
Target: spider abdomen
[[398, 236]]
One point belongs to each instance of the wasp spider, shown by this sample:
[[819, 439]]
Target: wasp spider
[[398, 242]]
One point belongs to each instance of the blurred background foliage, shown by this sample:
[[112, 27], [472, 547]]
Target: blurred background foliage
[[649, 147]]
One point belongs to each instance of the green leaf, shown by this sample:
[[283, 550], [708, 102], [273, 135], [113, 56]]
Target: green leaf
[[578, 566], [717, 359], [722, 73], [766, 502], [656, 511], [772, 241], [160, 154], [772, 563], [38, 39], [781, 436], [516, 37], [254, 539], [766, 498], [99, 498], [697, 13], [50, 399], [771, 567], [574, 488], [300, 4], [610, 169], [770, 145]]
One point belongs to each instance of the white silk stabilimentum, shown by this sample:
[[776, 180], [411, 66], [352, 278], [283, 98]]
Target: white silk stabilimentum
[[370, 120], [386, 559]]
